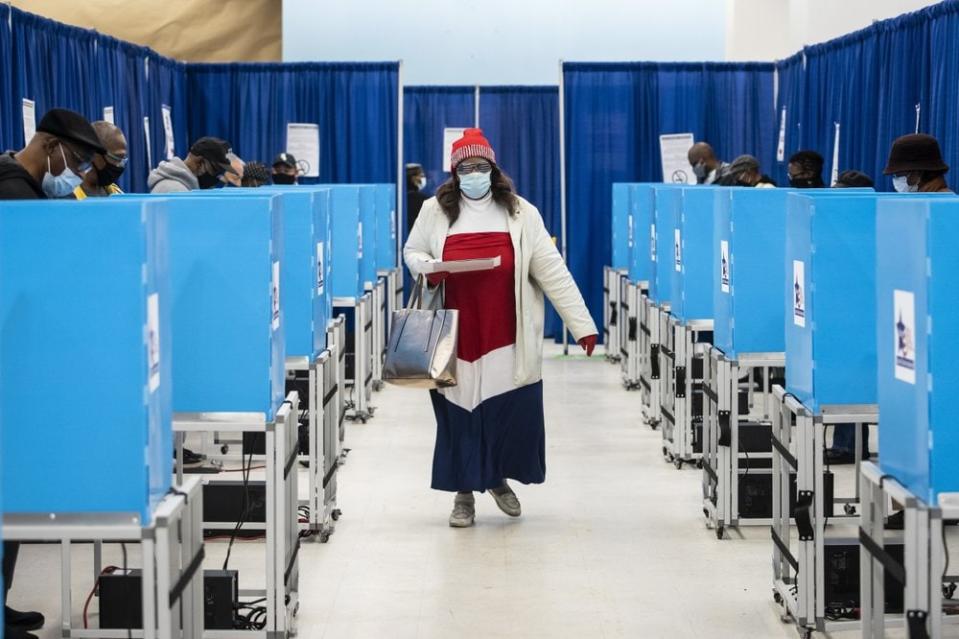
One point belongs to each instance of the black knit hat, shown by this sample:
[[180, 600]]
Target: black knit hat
[[72, 127], [915, 152]]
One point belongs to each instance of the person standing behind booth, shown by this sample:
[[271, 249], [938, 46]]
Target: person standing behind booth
[[203, 167], [100, 180], [744, 171], [490, 427], [916, 165], [706, 166], [284, 169], [50, 166], [805, 170], [415, 183]]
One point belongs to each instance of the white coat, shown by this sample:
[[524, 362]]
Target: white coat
[[539, 269]]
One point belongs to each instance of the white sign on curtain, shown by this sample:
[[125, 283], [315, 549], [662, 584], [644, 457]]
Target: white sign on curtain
[[835, 157], [108, 114], [303, 143], [450, 135], [674, 154], [29, 120], [146, 135], [781, 147], [168, 130]]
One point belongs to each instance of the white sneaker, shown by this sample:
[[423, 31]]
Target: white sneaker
[[464, 510], [506, 499]]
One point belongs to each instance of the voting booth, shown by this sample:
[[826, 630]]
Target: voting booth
[[85, 311], [615, 274], [634, 334], [229, 369]]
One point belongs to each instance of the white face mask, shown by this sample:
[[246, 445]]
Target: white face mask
[[421, 183], [901, 184], [58, 186]]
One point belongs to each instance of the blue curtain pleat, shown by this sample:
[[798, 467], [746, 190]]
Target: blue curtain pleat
[[522, 124], [615, 114], [790, 74]]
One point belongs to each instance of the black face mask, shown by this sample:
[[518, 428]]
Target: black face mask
[[207, 181], [283, 178], [109, 174], [805, 183]]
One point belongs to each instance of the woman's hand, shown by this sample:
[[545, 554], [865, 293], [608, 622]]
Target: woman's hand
[[588, 343]]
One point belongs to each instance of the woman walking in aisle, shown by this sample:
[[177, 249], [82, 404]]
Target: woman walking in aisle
[[490, 427]]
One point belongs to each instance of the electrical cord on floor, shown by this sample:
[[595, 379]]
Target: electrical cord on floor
[[849, 611], [254, 619], [247, 506]]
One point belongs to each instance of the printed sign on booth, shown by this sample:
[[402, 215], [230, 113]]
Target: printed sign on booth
[[275, 296], [724, 266], [319, 268], [799, 293], [904, 341], [678, 250], [652, 242], [153, 342]]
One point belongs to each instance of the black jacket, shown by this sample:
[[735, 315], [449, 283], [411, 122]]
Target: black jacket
[[15, 182], [414, 202]]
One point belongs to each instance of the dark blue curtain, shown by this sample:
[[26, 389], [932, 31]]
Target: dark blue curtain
[[522, 124], [250, 105], [427, 110], [790, 74], [8, 106], [614, 115], [940, 106]]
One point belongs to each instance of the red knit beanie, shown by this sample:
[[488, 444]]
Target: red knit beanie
[[471, 145]]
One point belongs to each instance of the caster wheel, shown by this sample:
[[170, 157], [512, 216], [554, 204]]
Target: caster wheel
[[324, 537], [849, 509], [720, 531], [336, 514], [678, 464], [706, 514], [224, 449], [699, 464], [777, 598]]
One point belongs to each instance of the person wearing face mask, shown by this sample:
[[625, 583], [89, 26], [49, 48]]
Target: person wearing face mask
[[706, 167], [490, 427], [53, 162], [415, 183], [805, 170], [744, 171], [285, 170], [916, 166], [203, 167], [106, 169], [51, 165]]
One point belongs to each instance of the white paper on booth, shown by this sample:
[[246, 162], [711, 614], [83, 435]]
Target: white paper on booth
[[799, 293], [275, 296], [904, 335], [29, 120], [674, 154], [462, 266], [303, 143], [108, 114], [724, 266], [450, 135], [678, 250], [153, 342], [320, 259], [168, 130], [652, 242]]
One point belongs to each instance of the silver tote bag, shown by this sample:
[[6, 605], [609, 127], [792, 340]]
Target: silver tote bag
[[422, 348]]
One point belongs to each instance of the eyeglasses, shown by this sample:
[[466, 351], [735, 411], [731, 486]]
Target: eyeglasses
[[83, 161], [116, 160], [481, 167]]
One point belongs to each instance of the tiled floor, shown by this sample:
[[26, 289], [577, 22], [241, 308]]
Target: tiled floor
[[613, 545]]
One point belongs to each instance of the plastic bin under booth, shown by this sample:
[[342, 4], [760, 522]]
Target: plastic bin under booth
[[85, 308], [229, 379], [349, 297], [917, 342]]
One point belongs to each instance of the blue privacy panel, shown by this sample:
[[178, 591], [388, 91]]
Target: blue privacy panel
[[691, 287], [917, 342], [367, 233], [620, 225], [829, 298], [347, 240], [85, 326], [323, 253], [642, 205], [298, 274], [669, 204], [750, 233], [226, 263], [385, 226]]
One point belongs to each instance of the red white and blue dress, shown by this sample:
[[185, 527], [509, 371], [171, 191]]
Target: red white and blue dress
[[487, 428]]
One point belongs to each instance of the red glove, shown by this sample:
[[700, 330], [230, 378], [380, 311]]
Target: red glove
[[435, 279], [588, 343]]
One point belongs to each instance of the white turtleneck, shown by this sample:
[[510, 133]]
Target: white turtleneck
[[480, 216]]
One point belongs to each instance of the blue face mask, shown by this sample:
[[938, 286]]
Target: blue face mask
[[58, 186], [475, 185]]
